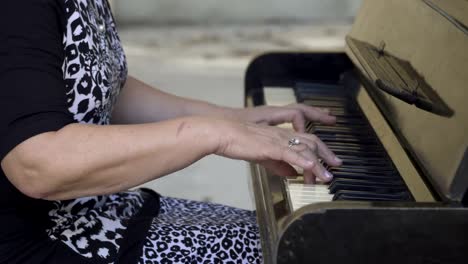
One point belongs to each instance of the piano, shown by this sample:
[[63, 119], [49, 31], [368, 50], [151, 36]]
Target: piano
[[400, 94]]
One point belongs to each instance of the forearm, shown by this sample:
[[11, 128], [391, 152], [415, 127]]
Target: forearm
[[82, 160], [140, 103]]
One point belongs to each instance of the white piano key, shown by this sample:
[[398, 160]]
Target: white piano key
[[310, 196], [309, 187], [304, 194], [279, 96]]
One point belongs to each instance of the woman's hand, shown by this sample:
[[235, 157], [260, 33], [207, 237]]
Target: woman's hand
[[297, 114], [269, 146]]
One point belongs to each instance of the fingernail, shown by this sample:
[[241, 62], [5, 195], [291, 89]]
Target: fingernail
[[328, 175], [338, 160]]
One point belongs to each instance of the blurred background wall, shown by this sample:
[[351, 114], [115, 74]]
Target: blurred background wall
[[232, 11]]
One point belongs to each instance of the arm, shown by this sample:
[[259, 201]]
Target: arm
[[141, 103], [82, 160]]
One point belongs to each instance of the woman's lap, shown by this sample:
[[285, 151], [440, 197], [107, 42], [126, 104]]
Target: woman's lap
[[197, 232], [183, 232]]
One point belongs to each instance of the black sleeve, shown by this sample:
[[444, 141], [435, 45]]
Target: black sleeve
[[32, 89]]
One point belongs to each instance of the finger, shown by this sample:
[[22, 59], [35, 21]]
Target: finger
[[317, 170], [263, 123], [321, 115], [327, 155], [292, 157], [309, 177], [321, 149], [292, 115], [279, 168], [299, 122]]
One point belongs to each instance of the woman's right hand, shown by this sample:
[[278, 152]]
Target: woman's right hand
[[269, 146]]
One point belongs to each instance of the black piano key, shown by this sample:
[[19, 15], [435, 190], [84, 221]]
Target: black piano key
[[347, 138], [370, 142], [359, 153], [352, 148], [341, 128], [339, 109], [368, 177], [370, 174], [355, 195], [349, 156], [362, 133], [356, 160], [310, 126], [374, 183], [340, 131], [365, 163], [364, 170], [340, 114], [342, 109], [351, 121], [369, 153], [337, 126], [330, 103], [339, 185]]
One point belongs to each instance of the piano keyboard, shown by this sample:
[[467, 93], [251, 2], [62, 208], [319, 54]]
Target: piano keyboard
[[367, 173]]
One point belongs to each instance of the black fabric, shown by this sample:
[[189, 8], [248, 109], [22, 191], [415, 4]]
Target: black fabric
[[132, 247], [32, 101], [32, 93]]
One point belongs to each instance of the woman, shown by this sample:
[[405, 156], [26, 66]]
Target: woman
[[66, 170]]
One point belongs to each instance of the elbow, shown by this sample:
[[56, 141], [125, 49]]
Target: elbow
[[32, 171], [30, 177], [29, 184]]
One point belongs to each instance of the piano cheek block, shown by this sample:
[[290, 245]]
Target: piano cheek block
[[387, 235]]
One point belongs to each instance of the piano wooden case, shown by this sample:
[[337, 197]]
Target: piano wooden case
[[400, 92]]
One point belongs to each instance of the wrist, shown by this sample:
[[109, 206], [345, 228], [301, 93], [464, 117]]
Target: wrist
[[204, 131]]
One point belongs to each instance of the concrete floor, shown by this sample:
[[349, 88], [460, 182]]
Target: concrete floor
[[208, 63]]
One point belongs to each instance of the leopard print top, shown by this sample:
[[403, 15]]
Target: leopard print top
[[94, 68]]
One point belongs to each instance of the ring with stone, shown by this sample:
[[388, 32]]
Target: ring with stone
[[293, 142]]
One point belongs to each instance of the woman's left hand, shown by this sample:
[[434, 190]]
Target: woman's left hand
[[297, 114]]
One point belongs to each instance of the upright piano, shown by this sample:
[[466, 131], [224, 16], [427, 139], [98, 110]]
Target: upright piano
[[400, 94]]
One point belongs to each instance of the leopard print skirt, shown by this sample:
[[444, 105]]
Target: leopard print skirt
[[126, 228], [196, 232]]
